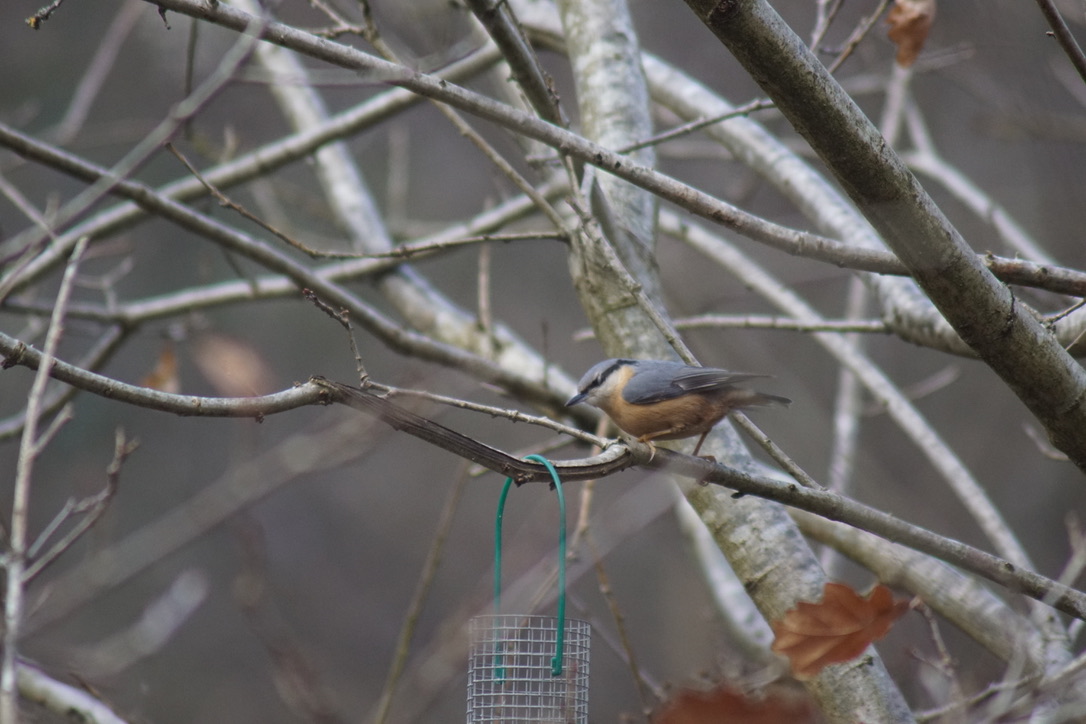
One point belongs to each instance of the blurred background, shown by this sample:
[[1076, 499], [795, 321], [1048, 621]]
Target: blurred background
[[283, 555]]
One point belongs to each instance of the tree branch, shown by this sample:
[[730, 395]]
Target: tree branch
[[403, 420], [246, 167], [18, 353], [1063, 36], [834, 507], [984, 312], [614, 458], [65, 700]]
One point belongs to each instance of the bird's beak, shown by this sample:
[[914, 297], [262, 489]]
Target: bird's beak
[[576, 399]]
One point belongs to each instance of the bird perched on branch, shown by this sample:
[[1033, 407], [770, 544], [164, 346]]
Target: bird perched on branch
[[660, 400]]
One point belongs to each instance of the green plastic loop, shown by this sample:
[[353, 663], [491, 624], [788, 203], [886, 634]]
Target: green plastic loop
[[556, 662]]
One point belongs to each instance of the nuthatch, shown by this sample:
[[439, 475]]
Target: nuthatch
[[658, 400]]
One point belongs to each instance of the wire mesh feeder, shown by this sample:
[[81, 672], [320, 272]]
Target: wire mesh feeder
[[529, 668], [511, 672]]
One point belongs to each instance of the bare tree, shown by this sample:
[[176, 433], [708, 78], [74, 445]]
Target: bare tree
[[452, 211]]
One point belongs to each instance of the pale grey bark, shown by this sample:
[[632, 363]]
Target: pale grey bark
[[1006, 334], [763, 546]]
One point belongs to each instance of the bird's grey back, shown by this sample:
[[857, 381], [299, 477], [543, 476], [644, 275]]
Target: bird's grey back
[[659, 380]]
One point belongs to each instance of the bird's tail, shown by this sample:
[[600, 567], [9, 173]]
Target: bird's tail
[[761, 399]]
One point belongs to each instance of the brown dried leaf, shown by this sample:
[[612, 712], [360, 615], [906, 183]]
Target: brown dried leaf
[[778, 703], [234, 368], [910, 21], [840, 628], [164, 376]]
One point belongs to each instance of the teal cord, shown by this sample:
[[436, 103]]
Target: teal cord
[[498, 547], [556, 662]]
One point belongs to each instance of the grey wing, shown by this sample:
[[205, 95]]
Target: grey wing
[[657, 381]]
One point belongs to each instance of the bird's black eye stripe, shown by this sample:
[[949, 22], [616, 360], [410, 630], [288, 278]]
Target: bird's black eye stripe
[[614, 367]]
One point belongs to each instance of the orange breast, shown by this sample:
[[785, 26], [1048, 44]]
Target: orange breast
[[681, 417]]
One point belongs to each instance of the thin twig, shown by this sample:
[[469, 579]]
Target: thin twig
[[343, 316], [847, 405], [644, 691], [826, 11], [502, 165], [590, 226], [957, 707], [815, 500], [229, 203], [342, 26], [43, 14], [696, 125], [418, 598], [958, 477], [26, 252], [945, 663], [299, 684], [97, 72], [185, 301], [858, 35], [1053, 318], [512, 415], [756, 321], [813, 246], [1063, 36], [59, 420], [258, 162], [179, 113], [29, 449], [925, 158], [241, 486], [93, 507], [774, 451]]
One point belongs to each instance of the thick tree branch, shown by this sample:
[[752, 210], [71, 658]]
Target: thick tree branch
[[1063, 36], [403, 420], [964, 600], [1056, 279], [776, 567], [316, 391], [73, 703], [834, 507], [614, 458], [910, 315], [984, 312], [498, 19], [375, 322], [565, 142]]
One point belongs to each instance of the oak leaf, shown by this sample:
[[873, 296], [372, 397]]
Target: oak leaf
[[164, 376], [777, 703], [233, 367], [840, 628], [910, 21]]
